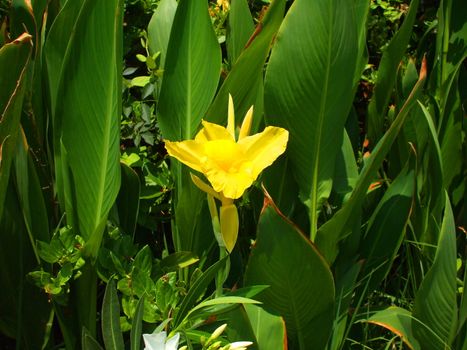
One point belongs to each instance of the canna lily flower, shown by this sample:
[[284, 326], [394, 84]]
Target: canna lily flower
[[231, 164]]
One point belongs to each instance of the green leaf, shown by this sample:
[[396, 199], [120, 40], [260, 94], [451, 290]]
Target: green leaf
[[191, 76], [269, 329], [192, 71], [239, 28], [88, 342], [137, 325], [219, 301], [398, 321], [22, 305], [85, 84], [319, 38], [386, 228], [345, 173], [30, 193], [128, 200], [436, 299], [143, 262], [159, 28], [339, 226], [14, 60], [21, 19], [301, 284], [388, 66], [178, 260], [245, 80], [197, 291], [111, 331]]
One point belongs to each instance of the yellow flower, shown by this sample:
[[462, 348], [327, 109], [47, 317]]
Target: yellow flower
[[230, 165]]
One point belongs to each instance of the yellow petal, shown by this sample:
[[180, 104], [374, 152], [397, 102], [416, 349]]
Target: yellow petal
[[230, 184], [212, 132], [229, 225], [246, 125], [188, 152], [204, 186], [264, 148], [231, 118]]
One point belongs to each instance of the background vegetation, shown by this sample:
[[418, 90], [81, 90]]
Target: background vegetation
[[354, 239]]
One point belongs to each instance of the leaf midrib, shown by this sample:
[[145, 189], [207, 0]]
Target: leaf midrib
[[317, 148]]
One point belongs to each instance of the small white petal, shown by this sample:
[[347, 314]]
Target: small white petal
[[154, 341], [172, 343], [240, 344]]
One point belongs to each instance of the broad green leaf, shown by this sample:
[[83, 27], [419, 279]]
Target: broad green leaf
[[239, 28], [159, 28], [282, 187], [24, 309], [14, 59], [463, 305], [197, 291], [111, 331], [434, 171], [178, 260], [346, 172], [238, 326], [88, 342], [436, 299], [320, 38], [451, 130], [345, 279], [21, 18], [245, 80], [192, 71], [301, 284], [128, 200], [191, 76], [85, 83], [269, 329], [30, 193], [386, 227], [137, 326], [398, 321], [387, 75], [221, 301], [339, 226]]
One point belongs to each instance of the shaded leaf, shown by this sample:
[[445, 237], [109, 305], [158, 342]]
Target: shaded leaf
[[86, 88], [304, 298], [319, 38], [388, 66], [339, 226], [159, 28], [111, 331], [436, 300], [398, 321], [191, 73]]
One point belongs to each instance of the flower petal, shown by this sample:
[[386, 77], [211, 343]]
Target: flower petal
[[229, 225], [154, 341], [264, 148], [231, 118], [231, 185], [246, 125], [188, 152], [204, 186], [212, 132], [172, 343], [240, 344]]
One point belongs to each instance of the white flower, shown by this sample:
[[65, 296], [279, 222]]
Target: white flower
[[240, 345], [158, 341]]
